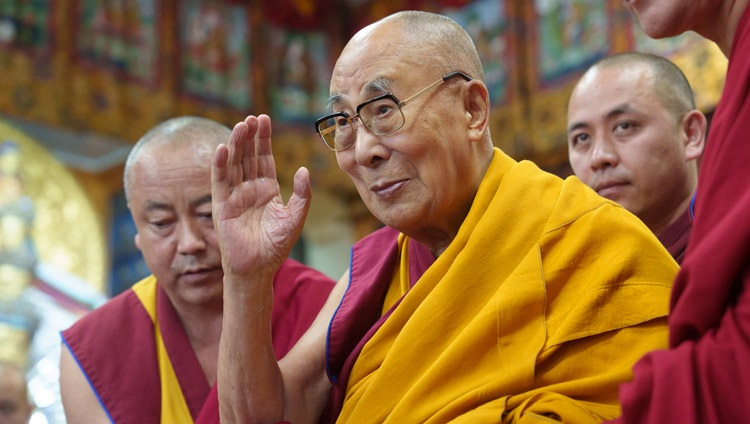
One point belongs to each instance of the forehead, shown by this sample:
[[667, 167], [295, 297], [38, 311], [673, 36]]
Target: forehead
[[377, 56], [164, 154], [165, 172], [607, 86]]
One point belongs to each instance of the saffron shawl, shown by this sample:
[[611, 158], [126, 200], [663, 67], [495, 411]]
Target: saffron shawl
[[538, 308]]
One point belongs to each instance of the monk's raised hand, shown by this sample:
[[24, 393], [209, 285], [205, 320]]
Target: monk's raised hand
[[256, 230]]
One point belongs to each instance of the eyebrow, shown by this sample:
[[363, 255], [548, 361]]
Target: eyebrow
[[160, 206], [157, 206], [376, 87], [618, 110], [206, 198]]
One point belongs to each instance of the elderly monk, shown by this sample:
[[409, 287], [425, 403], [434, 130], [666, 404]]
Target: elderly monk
[[149, 355], [497, 291], [704, 376]]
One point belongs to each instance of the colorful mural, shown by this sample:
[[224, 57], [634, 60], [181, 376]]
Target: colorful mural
[[215, 53], [298, 75], [488, 24], [119, 35], [26, 25], [568, 36]]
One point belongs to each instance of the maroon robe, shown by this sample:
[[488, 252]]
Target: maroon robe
[[675, 237], [705, 375], [115, 346]]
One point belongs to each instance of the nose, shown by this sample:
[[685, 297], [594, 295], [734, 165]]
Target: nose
[[368, 147], [191, 239], [604, 153]]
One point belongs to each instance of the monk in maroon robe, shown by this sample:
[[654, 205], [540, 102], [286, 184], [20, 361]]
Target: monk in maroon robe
[[705, 375], [150, 354]]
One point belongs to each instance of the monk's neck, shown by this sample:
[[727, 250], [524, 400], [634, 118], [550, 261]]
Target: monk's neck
[[722, 28], [204, 332]]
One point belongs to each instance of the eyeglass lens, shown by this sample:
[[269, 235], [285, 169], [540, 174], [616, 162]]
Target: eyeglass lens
[[381, 116]]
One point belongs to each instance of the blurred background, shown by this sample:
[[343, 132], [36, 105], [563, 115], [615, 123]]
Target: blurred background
[[82, 80]]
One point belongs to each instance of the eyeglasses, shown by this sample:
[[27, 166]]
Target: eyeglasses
[[381, 115]]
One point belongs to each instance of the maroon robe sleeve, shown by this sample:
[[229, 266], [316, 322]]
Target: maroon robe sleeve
[[299, 293]]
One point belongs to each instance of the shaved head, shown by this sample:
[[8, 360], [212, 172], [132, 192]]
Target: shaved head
[[201, 132], [440, 40], [670, 84]]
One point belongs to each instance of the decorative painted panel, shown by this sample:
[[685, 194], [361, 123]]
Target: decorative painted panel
[[215, 52], [119, 35]]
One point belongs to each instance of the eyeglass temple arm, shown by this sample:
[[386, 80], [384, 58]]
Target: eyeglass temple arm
[[435, 84]]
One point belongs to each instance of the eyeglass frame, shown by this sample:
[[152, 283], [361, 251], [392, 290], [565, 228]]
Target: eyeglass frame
[[399, 103]]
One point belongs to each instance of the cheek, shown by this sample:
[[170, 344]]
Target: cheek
[[581, 166], [346, 161]]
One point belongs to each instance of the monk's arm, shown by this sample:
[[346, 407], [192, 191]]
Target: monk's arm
[[253, 387], [79, 401]]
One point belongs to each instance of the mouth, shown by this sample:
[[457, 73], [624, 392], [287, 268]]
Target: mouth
[[198, 272], [388, 188], [610, 189]]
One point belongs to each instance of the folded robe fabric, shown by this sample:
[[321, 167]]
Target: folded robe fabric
[[538, 308], [135, 354]]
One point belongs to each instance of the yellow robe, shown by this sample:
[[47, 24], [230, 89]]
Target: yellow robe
[[536, 312]]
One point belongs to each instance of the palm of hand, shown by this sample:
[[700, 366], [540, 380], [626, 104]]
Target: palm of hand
[[254, 227], [256, 231]]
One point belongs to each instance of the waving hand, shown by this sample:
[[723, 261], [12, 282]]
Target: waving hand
[[256, 230]]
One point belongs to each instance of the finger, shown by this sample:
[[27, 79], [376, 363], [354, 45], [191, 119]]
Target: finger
[[266, 165], [249, 159], [235, 151], [219, 187]]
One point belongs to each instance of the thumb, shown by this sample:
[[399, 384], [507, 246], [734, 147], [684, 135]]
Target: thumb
[[299, 203]]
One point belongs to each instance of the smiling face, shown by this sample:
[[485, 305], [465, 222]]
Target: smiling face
[[422, 178], [626, 145], [170, 200]]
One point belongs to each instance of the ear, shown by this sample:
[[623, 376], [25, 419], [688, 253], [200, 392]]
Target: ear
[[477, 106], [694, 125], [137, 239]]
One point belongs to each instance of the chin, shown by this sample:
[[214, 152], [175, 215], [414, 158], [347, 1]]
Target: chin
[[658, 32], [205, 298], [658, 23]]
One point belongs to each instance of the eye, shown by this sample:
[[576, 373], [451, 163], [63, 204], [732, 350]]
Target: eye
[[382, 108], [625, 126], [342, 121], [159, 225], [579, 138]]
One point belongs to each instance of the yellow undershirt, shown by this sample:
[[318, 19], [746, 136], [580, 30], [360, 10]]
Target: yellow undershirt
[[399, 284], [174, 408]]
